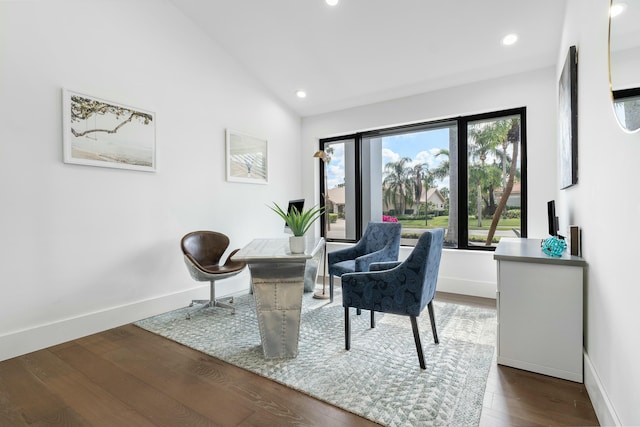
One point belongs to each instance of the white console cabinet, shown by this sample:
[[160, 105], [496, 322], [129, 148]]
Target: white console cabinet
[[539, 302]]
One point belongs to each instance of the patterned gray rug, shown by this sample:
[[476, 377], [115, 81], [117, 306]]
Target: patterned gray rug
[[379, 378]]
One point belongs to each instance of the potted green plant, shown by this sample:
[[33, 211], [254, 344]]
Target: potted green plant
[[298, 222]]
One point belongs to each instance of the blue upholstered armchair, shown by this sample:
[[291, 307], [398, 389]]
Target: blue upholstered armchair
[[380, 242], [404, 288]]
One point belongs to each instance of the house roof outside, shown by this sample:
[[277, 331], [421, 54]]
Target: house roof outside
[[433, 195], [515, 190], [514, 197], [337, 196]]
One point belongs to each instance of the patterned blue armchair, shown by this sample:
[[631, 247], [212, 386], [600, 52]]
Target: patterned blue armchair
[[404, 288], [380, 242]]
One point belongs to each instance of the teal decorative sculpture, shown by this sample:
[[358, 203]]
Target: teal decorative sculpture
[[554, 246]]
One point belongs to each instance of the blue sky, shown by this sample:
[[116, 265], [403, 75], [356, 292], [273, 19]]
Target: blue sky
[[420, 146]]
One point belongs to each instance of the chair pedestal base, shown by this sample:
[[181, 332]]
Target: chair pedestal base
[[210, 304], [212, 301]]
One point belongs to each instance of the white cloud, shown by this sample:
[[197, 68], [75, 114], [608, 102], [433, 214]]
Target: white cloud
[[335, 175], [425, 157], [389, 156]]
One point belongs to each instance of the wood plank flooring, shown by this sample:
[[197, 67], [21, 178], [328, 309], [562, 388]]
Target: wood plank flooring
[[130, 377], [515, 398]]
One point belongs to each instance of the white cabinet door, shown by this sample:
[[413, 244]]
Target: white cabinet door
[[540, 318]]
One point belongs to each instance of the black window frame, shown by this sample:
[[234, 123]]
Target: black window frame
[[462, 123]]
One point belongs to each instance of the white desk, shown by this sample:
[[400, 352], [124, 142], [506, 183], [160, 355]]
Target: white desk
[[539, 304], [277, 278]]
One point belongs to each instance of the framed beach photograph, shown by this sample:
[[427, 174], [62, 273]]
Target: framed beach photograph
[[568, 120], [247, 158], [103, 133]]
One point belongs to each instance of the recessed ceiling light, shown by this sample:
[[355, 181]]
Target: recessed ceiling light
[[509, 39], [617, 9], [332, 2], [301, 94]]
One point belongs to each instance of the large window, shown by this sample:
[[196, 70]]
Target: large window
[[339, 169], [465, 175]]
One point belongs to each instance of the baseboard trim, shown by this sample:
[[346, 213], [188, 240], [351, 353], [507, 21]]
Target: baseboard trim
[[39, 337], [599, 399], [575, 376], [467, 287]]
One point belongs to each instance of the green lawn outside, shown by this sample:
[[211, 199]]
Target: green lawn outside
[[443, 222]]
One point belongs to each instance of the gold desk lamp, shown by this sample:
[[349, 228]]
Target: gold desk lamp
[[325, 159]]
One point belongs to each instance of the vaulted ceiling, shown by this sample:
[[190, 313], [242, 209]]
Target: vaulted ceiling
[[365, 51]]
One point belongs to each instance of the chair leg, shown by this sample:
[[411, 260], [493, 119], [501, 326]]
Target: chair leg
[[416, 337], [373, 319], [347, 329], [358, 311], [330, 287], [433, 322]]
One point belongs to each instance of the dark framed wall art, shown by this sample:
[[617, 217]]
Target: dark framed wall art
[[568, 120]]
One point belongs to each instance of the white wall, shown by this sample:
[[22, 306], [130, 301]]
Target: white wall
[[467, 272], [607, 165], [83, 249]]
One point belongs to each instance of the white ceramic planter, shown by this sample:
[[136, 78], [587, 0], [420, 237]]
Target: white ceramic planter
[[296, 244]]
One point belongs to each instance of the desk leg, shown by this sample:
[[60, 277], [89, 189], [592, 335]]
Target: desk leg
[[277, 289]]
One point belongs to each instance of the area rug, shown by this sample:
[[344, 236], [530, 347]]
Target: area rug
[[379, 378]]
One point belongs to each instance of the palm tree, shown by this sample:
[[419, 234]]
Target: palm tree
[[420, 175], [513, 138], [398, 184], [482, 141], [428, 183], [442, 171], [486, 138], [501, 128]]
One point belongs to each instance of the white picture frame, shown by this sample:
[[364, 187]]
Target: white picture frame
[[246, 157], [102, 133]]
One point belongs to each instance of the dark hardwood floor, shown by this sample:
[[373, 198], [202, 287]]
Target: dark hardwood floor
[[130, 377], [517, 398]]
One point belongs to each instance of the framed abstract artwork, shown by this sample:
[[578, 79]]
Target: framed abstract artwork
[[103, 133], [247, 158], [568, 120]]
